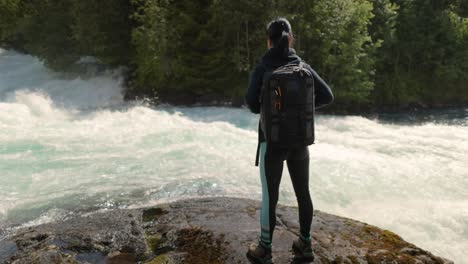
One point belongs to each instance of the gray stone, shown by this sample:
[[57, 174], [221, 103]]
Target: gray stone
[[198, 231]]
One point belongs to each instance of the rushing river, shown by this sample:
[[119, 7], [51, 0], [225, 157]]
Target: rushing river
[[70, 145]]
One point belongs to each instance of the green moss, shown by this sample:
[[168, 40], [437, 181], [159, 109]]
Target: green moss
[[383, 239], [387, 257], [153, 241], [383, 257], [349, 222], [371, 229], [201, 246], [251, 210], [378, 239], [391, 237], [161, 259], [152, 214]]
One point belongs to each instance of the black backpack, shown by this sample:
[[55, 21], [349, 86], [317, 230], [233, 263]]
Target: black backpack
[[288, 106]]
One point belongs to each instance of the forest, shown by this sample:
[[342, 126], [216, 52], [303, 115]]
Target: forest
[[375, 54]]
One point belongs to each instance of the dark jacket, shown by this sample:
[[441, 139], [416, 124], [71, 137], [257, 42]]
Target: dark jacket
[[273, 59]]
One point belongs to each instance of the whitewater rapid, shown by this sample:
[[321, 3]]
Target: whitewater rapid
[[70, 145]]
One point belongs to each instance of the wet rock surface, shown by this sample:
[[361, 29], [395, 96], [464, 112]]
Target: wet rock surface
[[198, 231]]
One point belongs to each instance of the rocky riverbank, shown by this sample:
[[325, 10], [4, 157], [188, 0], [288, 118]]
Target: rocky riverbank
[[198, 231]]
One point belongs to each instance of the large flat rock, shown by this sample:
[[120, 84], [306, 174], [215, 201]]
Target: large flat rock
[[198, 231]]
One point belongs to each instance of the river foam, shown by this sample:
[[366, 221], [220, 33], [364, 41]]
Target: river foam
[[70, 144]]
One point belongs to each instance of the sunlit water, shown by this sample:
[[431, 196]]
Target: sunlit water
[[71, 145]]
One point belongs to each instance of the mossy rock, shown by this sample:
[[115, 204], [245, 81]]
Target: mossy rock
[[153, 241], [391, 237], [196, 240], [161, 259], [389, 257], [383, 239], [152, 214]]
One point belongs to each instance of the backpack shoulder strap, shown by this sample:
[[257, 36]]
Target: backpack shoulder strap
[[301, 65]]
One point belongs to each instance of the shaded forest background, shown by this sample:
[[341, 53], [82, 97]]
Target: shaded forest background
[[375, 54]]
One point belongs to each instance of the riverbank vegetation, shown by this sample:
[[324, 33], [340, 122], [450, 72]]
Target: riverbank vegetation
[[374, 53]]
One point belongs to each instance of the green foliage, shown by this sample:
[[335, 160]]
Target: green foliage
[[10, 15], [243, 36], [425, 60], [199, 49], [372, 52], [46, 31], [383, 30], [187, 47], [461, 7], [151, 41], [103, 29], [61, 31], [245, 31], [334, 37]]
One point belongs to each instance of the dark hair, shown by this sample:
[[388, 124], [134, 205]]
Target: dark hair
[[278, 31]]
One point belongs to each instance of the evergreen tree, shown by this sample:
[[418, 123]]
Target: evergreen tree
[[46, 31], [10, 15], [335, 39], [243, 26], [382, 31], [425, 65], [199, 50], [151, 40], [103, 29]]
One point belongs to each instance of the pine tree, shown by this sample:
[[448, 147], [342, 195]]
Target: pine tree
[[335, 39], [103, 29]]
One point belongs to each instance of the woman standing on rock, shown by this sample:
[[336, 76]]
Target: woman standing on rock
[[286, 116]]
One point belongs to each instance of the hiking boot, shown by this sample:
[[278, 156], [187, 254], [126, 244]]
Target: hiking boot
[[259, 254], [302, 249]]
